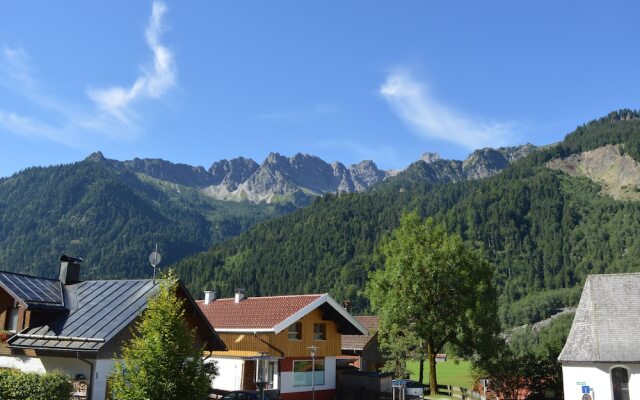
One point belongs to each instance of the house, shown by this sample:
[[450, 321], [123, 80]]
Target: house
[[601, 357], [78, 326], [362, 351], [288, 333]]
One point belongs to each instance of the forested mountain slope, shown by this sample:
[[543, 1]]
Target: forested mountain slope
[[544, 229], [112, 212], [110, 216]]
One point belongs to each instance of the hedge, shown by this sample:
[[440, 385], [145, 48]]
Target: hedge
[[17, 385]]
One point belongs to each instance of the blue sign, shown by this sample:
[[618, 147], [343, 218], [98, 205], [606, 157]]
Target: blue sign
[[585, 389]]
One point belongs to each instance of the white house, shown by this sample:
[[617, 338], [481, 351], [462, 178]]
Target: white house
[[601, 358]]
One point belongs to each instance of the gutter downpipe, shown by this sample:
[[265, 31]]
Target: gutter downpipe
[[90, 385], [255, 334]]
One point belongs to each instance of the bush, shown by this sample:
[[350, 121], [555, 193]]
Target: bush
[[17, 385]]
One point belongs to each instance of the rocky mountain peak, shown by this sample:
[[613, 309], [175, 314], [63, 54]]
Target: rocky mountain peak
[[298, 178], [95, 157], [430, 157], [275, 159], [232, 172], [483, 163]]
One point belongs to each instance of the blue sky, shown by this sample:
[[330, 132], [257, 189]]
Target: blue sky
[[199, 81]]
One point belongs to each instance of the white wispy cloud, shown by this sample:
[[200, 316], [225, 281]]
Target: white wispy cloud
[[28, 127], [298, 115], [152, 83], [16, 67], [69, 123], [430, 118]]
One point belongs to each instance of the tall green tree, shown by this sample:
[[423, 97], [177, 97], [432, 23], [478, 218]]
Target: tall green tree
[[433, 290], [160, 362]]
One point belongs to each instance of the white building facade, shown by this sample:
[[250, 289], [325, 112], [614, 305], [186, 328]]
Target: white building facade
[[602, 381], [601, 358]]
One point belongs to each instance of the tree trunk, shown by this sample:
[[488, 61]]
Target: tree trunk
[[433, 382], [421, 377]]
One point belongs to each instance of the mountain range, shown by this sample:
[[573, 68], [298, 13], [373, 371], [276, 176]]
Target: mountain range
[[545, 217], [112, 212], [300, 178], [546, 221]]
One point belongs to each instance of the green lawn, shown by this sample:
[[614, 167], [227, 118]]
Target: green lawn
[[451, 372]]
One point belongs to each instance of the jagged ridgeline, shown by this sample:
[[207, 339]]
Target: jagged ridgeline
[[544, 229], [111, 213]]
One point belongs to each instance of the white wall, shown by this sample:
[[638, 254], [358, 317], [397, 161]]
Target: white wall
[[101, 371], [329, 379], [23, 363], [596, 375], [230, 377], [71, 366]]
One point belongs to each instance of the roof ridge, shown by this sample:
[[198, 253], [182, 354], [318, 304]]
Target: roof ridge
[[120, 280], [29, 276], [594, 325], [270, 297], [613, 274]]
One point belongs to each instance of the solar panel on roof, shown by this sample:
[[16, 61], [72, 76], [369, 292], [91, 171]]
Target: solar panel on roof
[[32, 289]]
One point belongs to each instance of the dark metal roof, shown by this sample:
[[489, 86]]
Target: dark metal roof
[[98, 310], [34, 292]]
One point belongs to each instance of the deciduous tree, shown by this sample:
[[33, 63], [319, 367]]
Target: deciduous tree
[[433, 290], [160, 362]]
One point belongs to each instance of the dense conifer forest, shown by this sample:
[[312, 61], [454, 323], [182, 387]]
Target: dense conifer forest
[[543, 230], [110, 218]]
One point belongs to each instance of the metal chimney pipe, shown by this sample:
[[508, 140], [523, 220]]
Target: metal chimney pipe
[[69, 269]]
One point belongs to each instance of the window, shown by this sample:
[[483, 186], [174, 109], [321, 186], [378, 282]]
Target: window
[[295, 331], [303, 373], [620, 383], [319, 331], [12, 320]]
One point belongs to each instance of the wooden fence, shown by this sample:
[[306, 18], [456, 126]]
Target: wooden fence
[[358, 385], [457, 392]]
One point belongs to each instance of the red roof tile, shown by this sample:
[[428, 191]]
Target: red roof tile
[[357, 342], [259, 313]]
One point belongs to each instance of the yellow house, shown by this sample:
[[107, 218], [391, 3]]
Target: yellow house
[[299, 336]]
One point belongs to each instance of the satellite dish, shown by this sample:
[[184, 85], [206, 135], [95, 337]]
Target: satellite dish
[[154, 259]]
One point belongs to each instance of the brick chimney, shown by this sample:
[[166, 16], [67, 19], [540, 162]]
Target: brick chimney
[[69, 269]]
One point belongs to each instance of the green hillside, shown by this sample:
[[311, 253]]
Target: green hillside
[[544, 230], [111, 217]]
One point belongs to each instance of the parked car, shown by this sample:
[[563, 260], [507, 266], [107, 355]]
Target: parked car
[[248, 395], [411, 388]]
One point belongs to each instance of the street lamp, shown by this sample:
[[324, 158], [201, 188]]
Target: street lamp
[[313, 349], [262, 373]]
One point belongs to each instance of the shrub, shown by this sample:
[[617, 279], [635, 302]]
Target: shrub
[[17, 385]]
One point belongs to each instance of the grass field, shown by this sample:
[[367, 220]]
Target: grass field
[[449, 372]]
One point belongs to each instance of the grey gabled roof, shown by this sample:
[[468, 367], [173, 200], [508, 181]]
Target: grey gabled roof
[[33, 292], [98, 310], [607, 321]]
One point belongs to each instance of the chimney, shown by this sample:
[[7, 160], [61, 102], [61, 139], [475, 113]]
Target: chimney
[[210, 296], [69, 269], [239, 295]]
